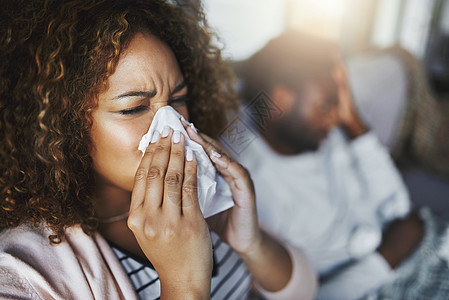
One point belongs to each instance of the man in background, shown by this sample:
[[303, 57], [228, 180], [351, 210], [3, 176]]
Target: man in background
[[323, 181]]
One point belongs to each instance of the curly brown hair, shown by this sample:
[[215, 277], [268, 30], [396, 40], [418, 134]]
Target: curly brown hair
[[55, 58]]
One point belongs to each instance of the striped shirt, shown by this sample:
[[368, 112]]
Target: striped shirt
[[230, 280]]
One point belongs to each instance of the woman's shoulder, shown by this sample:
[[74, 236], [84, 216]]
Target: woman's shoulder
[[31, 265], [27, 248], [24, 236], [22, 253], [32, 245]]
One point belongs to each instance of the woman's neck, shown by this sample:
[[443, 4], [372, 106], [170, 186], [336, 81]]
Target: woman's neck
[[120, 234], [112, 201]]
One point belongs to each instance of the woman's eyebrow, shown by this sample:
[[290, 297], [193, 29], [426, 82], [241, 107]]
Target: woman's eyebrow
[[179, 87], [146, 94]]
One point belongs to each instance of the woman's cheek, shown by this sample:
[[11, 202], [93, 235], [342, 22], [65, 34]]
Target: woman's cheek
[[115, 150]]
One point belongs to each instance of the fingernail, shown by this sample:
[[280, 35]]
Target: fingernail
[[216, 154], [165, 131], [193, 127], [155, 137], [185, 121], [176, 136], [189, 155]]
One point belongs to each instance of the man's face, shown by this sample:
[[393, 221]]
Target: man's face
[[311, 117]]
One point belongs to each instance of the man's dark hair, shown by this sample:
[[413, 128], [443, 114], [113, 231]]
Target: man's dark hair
[[291, 59]]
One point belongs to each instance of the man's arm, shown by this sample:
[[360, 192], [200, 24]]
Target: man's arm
[[357, 279], [382, 180], [376, 269], [347, 114], [401, 238]]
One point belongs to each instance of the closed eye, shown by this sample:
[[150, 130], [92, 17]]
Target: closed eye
[[134, 110], [178, 100]]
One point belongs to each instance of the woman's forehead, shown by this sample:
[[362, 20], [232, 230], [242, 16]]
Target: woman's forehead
[[147, 63]]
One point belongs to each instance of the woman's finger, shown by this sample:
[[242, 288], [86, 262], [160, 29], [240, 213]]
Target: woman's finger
[[140, 178], [174, 176], [156, 172], [190, 205], [225, 164], [233, 173], [216, 145], [208, 143]]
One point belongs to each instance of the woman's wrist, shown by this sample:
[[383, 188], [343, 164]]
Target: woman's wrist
[[254, 251], [269, 263], [191, 289]]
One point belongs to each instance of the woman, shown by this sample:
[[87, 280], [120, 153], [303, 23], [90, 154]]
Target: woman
[[80, 84]]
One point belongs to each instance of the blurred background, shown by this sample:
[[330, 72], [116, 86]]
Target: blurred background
[[419, 26], [356, 25], [397, 56]]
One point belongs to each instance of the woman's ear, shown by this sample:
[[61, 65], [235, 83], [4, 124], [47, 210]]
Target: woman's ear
[[283, 98]]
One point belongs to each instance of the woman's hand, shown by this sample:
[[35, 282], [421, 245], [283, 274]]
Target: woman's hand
[[268, 261], [166, 219], [237, 226]]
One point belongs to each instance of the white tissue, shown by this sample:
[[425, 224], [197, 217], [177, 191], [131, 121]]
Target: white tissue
[[214, 194]]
